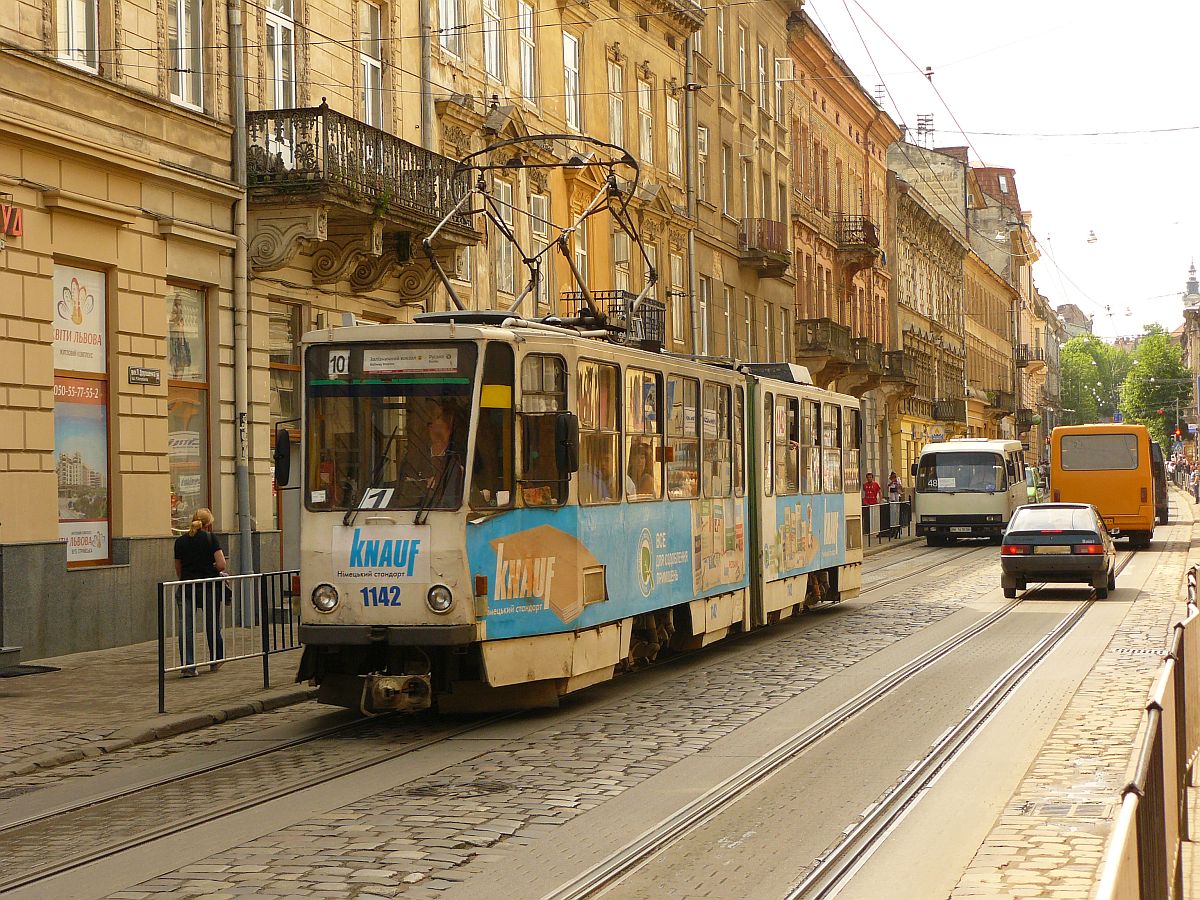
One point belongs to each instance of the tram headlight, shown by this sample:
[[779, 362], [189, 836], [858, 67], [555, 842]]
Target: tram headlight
[[439, 599], [325, 598]]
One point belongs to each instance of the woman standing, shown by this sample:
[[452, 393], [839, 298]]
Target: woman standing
[[198, 555]]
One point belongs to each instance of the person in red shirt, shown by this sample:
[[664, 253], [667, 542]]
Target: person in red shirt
[[871, 489]]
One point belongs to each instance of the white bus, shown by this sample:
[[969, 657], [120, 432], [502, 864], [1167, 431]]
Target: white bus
[[967, 487]]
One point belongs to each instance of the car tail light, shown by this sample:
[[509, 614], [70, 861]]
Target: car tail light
[[1015, 550], [1089, 549], [1143, 495]]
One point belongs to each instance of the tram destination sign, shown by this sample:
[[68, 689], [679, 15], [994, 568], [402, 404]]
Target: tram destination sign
[[139, 375]]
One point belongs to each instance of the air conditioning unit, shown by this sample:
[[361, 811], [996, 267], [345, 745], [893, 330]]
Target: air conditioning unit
[[785, 69]]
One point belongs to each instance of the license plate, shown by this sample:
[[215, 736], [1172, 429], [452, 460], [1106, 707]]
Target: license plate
[[960, 529], [1053, 548]]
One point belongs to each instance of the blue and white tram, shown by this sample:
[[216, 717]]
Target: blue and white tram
[[498, 511]]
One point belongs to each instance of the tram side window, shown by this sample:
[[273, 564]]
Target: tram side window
[[851, 445], [492, 473], [683, 438], [718, 444], [787, 446], [599, 433], [810, 446], [831, 443], [739, 442], [768, 439], [643, 435], [543, 393]]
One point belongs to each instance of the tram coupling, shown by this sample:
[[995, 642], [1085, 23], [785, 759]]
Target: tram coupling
[[395, 693]]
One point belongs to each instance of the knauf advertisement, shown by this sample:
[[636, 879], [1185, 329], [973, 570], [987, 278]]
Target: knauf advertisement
[[554, 570], [803, 534]]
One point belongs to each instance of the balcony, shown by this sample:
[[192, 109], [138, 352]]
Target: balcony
[[806, 211], [868, 355], [765, 246], [900, 367], [857, 245], [646, 328], [950, 410], [1026, 419], [1032, 358], [322, 181], [1001, 404], [825, 347]]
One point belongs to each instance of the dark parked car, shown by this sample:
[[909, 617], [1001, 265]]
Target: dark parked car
[[1057, 542], [1159, 466]]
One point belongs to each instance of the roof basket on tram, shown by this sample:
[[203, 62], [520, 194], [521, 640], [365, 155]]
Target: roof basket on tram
[[646, 328]]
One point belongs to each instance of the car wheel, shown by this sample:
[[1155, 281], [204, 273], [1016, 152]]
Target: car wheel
[[1112, 579], [1010, 593], [1102, 593]]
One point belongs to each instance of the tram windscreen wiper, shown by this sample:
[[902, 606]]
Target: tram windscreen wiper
[[384, 458], [437, 486]]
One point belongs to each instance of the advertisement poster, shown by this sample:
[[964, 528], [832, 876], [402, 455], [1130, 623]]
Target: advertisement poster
[[81, 462], [79, 320]]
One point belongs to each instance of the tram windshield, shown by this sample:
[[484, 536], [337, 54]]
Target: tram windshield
[[961, 473], [387, 425]]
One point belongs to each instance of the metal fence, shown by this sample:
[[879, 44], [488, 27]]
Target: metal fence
[[212, 621], [1144, 859], [887, 521]]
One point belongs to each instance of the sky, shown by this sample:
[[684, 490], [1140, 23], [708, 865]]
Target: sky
[[1061, 68]]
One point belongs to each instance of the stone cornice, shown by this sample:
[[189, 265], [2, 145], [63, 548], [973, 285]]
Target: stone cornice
[[89, 207], [197, 234]]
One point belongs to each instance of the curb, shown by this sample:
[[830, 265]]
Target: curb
[[163, 727]]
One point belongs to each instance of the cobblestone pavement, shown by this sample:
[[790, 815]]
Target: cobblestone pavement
[[420, 839], [99, 695], [1050, 840]]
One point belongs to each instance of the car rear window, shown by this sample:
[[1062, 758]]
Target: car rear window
[[1093, 452], [1053, 518]]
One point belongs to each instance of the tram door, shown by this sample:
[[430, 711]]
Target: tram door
[[287, 514]]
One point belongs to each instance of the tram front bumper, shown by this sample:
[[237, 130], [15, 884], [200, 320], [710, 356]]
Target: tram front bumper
[[393, 635]]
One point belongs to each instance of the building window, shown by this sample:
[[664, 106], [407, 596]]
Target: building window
[[747, 180], [185, 46], [764, 94], [743, 60], [451, 26], [370, 59], [281, 53], [81, 458], [187, 404], [527, 38], [493, 44], [77, 33], [581, 250], [782, 202], [285, 326], [616, 104], [727, 179], [571, 63], [620, 251], [1003, 184], [702, 163], [652, 263], [764, 198], [674, 144], [462, 265], [645, 122], [678, 296], [721, 59], [698, 41], [539, 217], [783, 73], [727, 301], [505, 274], [704, 298]]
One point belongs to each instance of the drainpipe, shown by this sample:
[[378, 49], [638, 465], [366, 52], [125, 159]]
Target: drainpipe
[[425, 26], [241, 349], [689, 121]]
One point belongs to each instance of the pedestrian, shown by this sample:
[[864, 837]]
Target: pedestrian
[[895, 490], [1194, 485], [198, 555], [871, 490]]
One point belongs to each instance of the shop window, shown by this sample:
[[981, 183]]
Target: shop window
[[787, 447], [543, 395], [187, 404], [683, 438], [599, 433], [810, 446], [492, 473], [81, 414], [831, 452], [643, 435], [718, 441]]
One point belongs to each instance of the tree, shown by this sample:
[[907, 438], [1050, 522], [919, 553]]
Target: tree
[[1092, 373], [1158, 380]]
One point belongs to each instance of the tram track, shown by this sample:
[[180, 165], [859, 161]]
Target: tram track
[[857, 842]]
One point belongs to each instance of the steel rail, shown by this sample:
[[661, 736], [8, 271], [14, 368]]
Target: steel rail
[[607, 873], [149, 835]]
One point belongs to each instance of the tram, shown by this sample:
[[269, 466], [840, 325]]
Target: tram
[[501, 510]]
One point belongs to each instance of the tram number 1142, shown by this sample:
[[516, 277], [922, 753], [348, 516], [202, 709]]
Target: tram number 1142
[[381, 595]]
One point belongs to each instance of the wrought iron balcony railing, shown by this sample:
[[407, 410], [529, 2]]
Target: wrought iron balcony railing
[[950, 410], [1026, 419], [765, 236], [823, 336], [1026, 355], [856, 231], [1004, 400], [318, 150]]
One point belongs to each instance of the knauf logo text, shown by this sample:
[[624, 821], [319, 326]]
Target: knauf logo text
[[379, 554]]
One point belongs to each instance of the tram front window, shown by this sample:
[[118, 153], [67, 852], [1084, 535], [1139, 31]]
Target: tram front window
[[387, 426], [961, 473]]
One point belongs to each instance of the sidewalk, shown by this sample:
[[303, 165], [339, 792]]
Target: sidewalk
[[106, 700]]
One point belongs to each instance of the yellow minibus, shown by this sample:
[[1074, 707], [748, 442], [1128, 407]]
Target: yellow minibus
[[1110, 467]]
